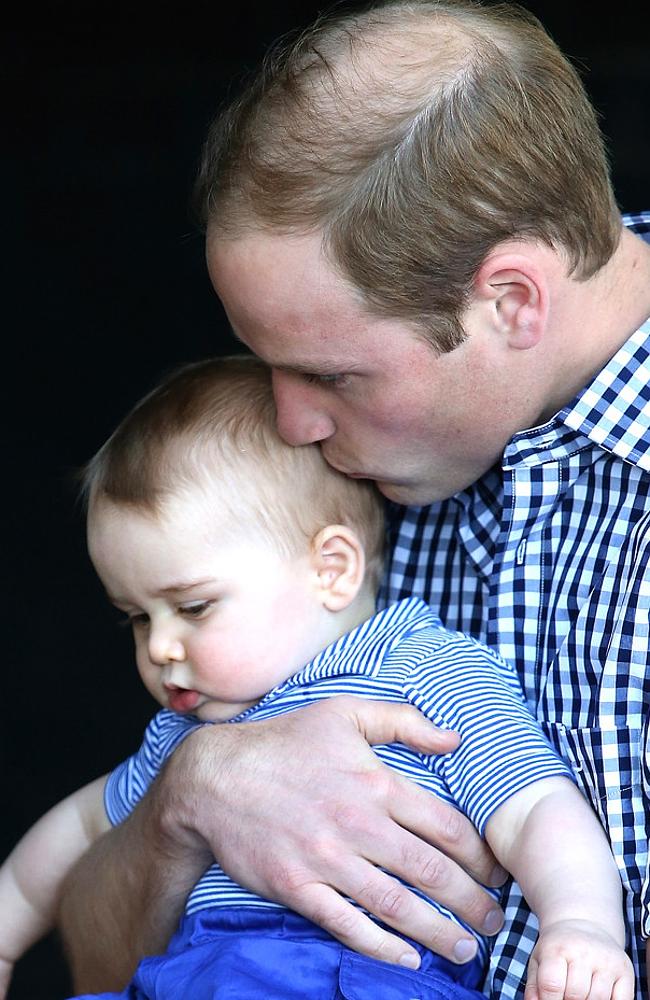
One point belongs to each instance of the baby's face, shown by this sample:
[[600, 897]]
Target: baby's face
[[219, 616]]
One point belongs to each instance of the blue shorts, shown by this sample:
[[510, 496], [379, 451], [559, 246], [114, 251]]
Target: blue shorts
[[247, 954]]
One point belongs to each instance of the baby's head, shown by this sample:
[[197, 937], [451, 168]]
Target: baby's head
[[235, 557]]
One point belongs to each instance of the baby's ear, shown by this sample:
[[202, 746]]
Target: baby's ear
[[339, 563]]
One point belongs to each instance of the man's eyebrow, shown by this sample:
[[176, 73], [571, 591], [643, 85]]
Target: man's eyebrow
[[297, 367], [323, 367]]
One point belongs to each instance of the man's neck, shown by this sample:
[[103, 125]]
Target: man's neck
[[623, 289], [598, 316]]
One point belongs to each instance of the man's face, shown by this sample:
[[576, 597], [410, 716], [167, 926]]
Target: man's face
[[375, 395]]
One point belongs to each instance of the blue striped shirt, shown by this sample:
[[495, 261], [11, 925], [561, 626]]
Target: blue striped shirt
[[401, 654], [546, 559]]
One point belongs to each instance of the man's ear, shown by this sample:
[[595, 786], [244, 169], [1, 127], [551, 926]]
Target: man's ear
[[339, 563], [515, 288]]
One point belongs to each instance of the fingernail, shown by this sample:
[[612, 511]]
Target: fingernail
[[464, 950], [498, 875], [493, 922], [410, 959]]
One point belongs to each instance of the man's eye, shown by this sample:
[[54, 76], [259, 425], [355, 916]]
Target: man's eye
[[197, 609], [334, 381]]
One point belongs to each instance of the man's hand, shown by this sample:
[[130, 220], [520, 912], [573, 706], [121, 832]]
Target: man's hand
[[578, 960], [300, 810]]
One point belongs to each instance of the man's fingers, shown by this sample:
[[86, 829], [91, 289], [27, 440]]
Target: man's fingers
[[389, 722], [365, 824], [441, 879], [353, 928], [389, 900], [421, 813], [395, 905], [411, 806]]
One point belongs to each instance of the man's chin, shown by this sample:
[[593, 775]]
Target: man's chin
[[407, 494], [415, 494]]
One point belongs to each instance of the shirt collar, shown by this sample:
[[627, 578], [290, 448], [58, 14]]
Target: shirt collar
[[360, 652], [612, 411], [363, 650]]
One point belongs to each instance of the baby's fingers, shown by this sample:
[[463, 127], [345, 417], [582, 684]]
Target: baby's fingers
[[623, 988], [530, 993], [580, 983], [558, 979], [6, 969], [602, 984], [547, 979]]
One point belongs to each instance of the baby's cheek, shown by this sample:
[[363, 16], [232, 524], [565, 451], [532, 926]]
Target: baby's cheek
[[218, 664]]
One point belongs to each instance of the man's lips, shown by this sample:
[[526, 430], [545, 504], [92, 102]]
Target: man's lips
[[181, 699]]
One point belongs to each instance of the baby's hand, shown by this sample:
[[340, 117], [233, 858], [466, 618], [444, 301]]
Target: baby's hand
[[578, 960], [6, 971]]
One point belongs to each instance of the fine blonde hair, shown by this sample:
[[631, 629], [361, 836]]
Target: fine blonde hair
[[211, 426], [415, 136]]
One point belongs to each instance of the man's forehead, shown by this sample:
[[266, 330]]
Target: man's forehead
[[274, 290], [300, 348], [268, 250], [281, 268]]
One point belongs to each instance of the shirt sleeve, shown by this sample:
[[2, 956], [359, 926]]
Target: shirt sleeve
[[127, 784], [462, 685]]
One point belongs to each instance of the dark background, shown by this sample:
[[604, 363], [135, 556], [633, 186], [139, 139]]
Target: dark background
[[106, 289]]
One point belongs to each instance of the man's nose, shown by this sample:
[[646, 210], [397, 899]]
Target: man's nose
[[165, 646], [302, 417]]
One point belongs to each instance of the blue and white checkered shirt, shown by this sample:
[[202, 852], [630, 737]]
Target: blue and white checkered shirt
[[546, 559]]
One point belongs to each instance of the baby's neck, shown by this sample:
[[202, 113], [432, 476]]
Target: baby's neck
[[360, 610]]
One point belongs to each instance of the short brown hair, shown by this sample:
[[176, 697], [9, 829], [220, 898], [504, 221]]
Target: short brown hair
[[416, 135], [212, 423]]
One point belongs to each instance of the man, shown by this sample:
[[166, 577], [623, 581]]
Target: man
[[409, 215]]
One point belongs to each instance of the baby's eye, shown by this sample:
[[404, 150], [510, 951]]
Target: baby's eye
[[136, 620], [197, 609], [140, 620]]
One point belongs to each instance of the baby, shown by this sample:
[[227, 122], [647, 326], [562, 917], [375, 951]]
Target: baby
[[247, 570]]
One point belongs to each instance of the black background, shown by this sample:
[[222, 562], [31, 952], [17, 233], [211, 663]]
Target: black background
[[106, 289]]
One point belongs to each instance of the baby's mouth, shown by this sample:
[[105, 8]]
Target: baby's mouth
[[181, 699]]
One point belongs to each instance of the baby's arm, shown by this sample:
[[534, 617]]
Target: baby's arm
[[552, 842], [32, 876]]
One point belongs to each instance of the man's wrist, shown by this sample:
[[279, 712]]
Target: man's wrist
[[180, 793]]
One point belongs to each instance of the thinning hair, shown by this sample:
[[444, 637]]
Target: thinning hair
[[415, 135], [211, 426]]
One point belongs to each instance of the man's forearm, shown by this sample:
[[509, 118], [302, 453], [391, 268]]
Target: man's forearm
[[123, 899]]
